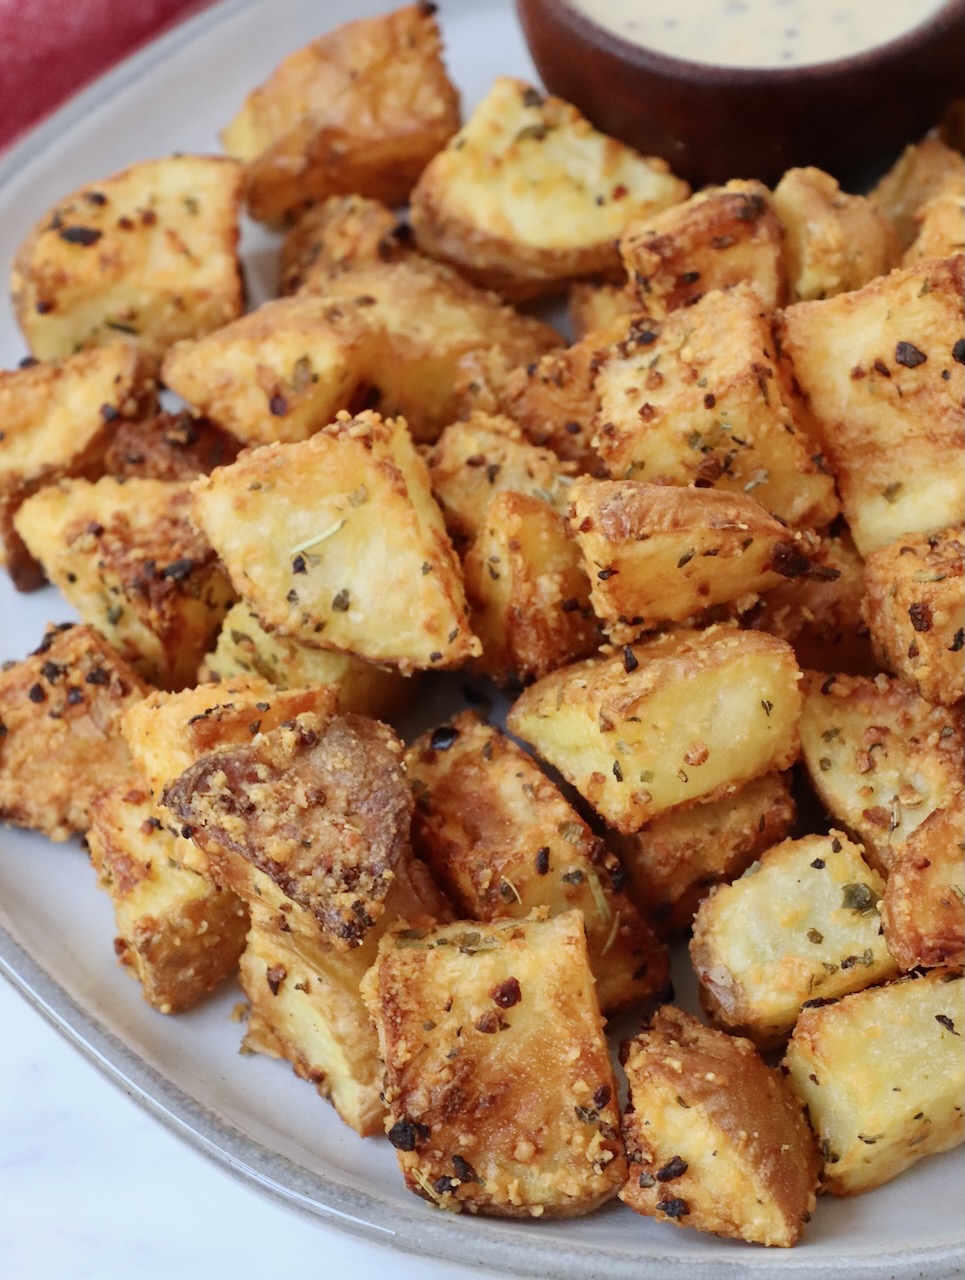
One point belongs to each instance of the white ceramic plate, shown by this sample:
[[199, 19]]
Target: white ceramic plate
[[249, 1113]]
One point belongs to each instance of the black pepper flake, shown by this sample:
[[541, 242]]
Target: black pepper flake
[[947, 1023], [879, 366], [920, 616], [443, 737], [675, 1167], [859, 897], [97, 676], [909, 356], [405, 1135], [602, 1096], [617, 771], [675, 1208], [573, 877], [958, 351], [506, 994], [85, 236], [178, 570], [835, 845], [630, 662], [570, 606], [51, 671], [340, 602], [444, 1184], [299, 565], [109, 413], [958, 642], [646, 1180], [36, 693], [277, 406], [275, 975], [542, 860], [819, 864], [604, 574], [464, 1170], [74, 695]]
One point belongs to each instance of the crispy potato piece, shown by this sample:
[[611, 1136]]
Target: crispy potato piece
[[821, 617], [279, 373], [361, 109], [939, 223], [914, 606], [522, 1123], [697, 401], [661, 553], [833, 241], [301, 529], [687, 716], [714, 240], [245, 648], [170, 446], [920, 172], [880, 758], [59, 745], [58, 420], [923, 907], [884, 390], [715, 1139], [310, 819], [800, 924], [501, 839], [882, 1073], [150, 252], [529, 596], [481, 203], [475, 460], [594, 305], [674, 861], [179, 934], [425, 318], [342, 229], [128, 558]]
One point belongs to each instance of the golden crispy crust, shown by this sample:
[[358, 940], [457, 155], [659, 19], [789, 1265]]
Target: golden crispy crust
[[921, 171], [923, 907], [339, 230], [594, 305], [59, 730], [714, 1138]]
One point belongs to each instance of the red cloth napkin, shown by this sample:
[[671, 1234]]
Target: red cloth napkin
[[51, 48]]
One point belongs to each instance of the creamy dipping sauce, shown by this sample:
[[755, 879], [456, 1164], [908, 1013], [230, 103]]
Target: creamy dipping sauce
[[758, 33]]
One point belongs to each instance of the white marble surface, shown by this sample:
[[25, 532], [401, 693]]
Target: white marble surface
[[92, 1188]]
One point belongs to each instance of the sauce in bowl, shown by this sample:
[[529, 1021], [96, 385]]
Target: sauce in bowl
[[758, 33]]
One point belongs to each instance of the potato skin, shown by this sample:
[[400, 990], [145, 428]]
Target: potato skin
[[923, 906], [170, 446]]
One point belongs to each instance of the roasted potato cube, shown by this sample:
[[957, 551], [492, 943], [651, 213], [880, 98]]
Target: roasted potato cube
[[361, 109], [714, 240], [59, 744], [914, 607], [801, 923], [697, 401], [308, 819], [882, 1074], [821, 616], [662, 553], [940, 223], [475, 460], [502, 840], [128, 558], [923, 906], [171, 446], [833, 241], [687, 716], [921, 171], [340, 230], [482, 203], [594, 305], [715, 1139], [245, 648], [498, 1083], [58, 420], [150, 253], [302, 531], [425, 318], [178, 933], [528, 592], [884, 391], [880, 758], [279, 373], [675, 860]]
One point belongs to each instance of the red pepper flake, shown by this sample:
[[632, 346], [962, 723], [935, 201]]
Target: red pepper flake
[[506, 994], [709, 400], [619, 191], [909, 356], [920, 615], [275, 975], [879, 366]]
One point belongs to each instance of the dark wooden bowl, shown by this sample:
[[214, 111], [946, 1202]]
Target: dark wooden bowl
[[850, 117]]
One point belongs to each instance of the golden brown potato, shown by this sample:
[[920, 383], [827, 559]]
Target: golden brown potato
[[59, 420], [801, 923], [498, 1083], [171, 446], [882, 1073], [308, 820], [337, 231], [529, 596], [833, 241], [880, 758], [59, 739], [179, 934], [127, 556], [361, 109], [914, 608], [502, 840], [595, 305], [714, 240], [245, 648], [149, 254], [715, 1139], [657, 554], [697, 400], [302, 531], [923, 906], [687, 716], [675, 860], [921, 171], [939, 221], [884, 391], [481, 203]]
